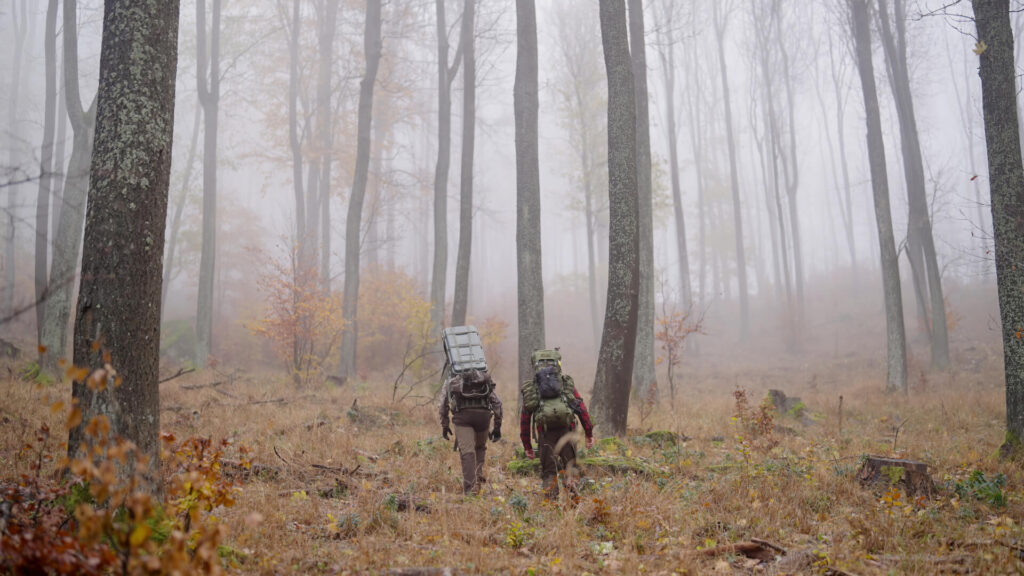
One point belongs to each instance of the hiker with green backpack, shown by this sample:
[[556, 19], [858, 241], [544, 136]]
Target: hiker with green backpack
[[551, 406]]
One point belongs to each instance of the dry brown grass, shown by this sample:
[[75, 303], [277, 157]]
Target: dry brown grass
[[720, 487]]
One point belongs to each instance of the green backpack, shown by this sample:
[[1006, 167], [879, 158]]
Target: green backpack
[[553, 411]]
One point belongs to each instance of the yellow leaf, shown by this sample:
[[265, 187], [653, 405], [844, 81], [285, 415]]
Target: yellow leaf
[[980, 47], [139, 535]]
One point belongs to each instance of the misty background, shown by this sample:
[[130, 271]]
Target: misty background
[[815, 101]]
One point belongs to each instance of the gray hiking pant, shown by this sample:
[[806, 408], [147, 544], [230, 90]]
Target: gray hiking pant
[[471, 428]]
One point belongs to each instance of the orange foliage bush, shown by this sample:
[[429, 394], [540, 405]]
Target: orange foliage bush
[[100, 518], [394, 319], [303, 322]]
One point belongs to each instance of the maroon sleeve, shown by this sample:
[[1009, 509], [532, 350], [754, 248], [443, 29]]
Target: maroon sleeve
[[524, 429], [584, 415]]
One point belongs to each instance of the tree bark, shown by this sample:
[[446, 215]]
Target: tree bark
[[614, 376], [45, 171], [209, 99], [895, 332], [68, 239], [643, 362], [1006, 183], [734, 182], [353, 223], [530, 280], [467, 41], [119, 299], [920, 241]]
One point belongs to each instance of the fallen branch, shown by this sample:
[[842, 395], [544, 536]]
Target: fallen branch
[[768, 544], [180, 372], [201, 386], [757, 550]]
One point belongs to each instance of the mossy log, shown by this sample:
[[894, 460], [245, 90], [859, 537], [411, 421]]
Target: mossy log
[[910, 476], [593, 465]]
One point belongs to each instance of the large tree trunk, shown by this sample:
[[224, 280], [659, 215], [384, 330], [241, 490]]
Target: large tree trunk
[[119, 299], [734, 180], [19, 17], [1006, 183], [614, 377], [530, 280], [467, 42], [45, 170], [895, 333], [209, 99], [353, 222], [179, 208], [643, 363], [920, 241], [68, 239]]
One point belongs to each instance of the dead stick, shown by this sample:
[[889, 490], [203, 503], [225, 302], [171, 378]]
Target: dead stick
[[840, 415], [279, 456], [201, 386], [768, 544], [180, 372]]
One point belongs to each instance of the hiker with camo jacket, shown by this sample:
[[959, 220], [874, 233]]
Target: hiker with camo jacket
[[471, 400], [552, 405]]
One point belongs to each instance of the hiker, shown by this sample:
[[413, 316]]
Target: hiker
[[552, 405], [472, 402]]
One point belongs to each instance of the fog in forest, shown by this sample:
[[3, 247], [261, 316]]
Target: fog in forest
[[811, 254]]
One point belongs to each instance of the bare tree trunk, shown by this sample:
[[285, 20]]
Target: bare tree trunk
[[179, 208], [530, 283], [920, 242], [72, 215], [328, 24], [695, 124], [467, 42], [667, 57], [445, 75], [791, 171], [353, 222], [614, 377], [293, 130], [125, 226], [19, 17], [843, 164], [721, 20], [45, 171], [643, 362], [59, 158], [1006, 182], [209, 99], [895, 333]]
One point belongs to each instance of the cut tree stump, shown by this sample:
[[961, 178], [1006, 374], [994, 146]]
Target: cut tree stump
[[911, 476]]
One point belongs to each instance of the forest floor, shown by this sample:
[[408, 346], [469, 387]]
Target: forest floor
[[347, 481]]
